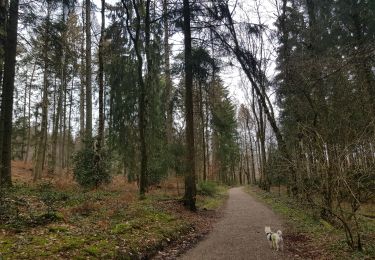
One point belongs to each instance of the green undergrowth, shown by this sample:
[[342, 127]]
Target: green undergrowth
[[211, 195], [304, 220], [45, 223]]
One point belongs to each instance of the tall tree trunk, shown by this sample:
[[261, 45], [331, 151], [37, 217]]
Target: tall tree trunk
[[69, 146], [142, 87], [63, 127], [207, 136], [253, 178], [101, 81], [59, 102], [143, 100], [201, 112], [83, 83], [3, 22], [41, 150], [262, 146], [167, 72], [29, 115], [7, 101], [190, 188], [24, 124], [247, 161], [88, 129]]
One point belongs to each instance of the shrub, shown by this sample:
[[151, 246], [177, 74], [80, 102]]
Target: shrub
[[207, 188], [91, 167], [51, 198]]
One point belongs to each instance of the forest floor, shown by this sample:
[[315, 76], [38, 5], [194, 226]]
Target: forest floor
[[56, 219]]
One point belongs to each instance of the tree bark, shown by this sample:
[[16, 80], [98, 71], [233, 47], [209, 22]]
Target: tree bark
[[167, 72], [3, 21], [190, 188], [83, 83], [142, 88], [41, 150], [201, 112], [7, 101], [24, 133], [101, 81], [88, 129], [59, 101], [29, 116], [69, 146]]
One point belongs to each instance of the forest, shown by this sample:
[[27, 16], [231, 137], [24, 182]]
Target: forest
[[123, 124]]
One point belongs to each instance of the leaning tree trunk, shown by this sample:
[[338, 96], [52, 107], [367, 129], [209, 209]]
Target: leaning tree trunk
[[247, 62], [7, 100], [190, 188]]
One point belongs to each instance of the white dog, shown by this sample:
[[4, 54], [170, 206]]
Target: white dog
[[275, 239]]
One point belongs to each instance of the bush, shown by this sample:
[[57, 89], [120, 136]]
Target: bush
[[207, 188], [91, 168], [50, 197]]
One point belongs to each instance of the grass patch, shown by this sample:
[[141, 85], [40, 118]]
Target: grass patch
[[207, 188], [303, 220], [211, 196]]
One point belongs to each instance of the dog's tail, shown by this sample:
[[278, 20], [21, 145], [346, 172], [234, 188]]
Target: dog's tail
[[267, 229], [279, 232]]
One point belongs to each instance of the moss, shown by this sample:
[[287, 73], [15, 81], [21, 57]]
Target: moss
[[6, 246], [67, 243], [92, 250], [57, 229], [122, 228]]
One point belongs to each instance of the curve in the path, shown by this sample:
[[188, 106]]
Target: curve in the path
[[240, 233]]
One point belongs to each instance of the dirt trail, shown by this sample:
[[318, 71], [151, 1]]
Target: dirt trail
[[240, 233]]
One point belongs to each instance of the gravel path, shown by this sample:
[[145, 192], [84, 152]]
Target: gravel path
[[240, 233]]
